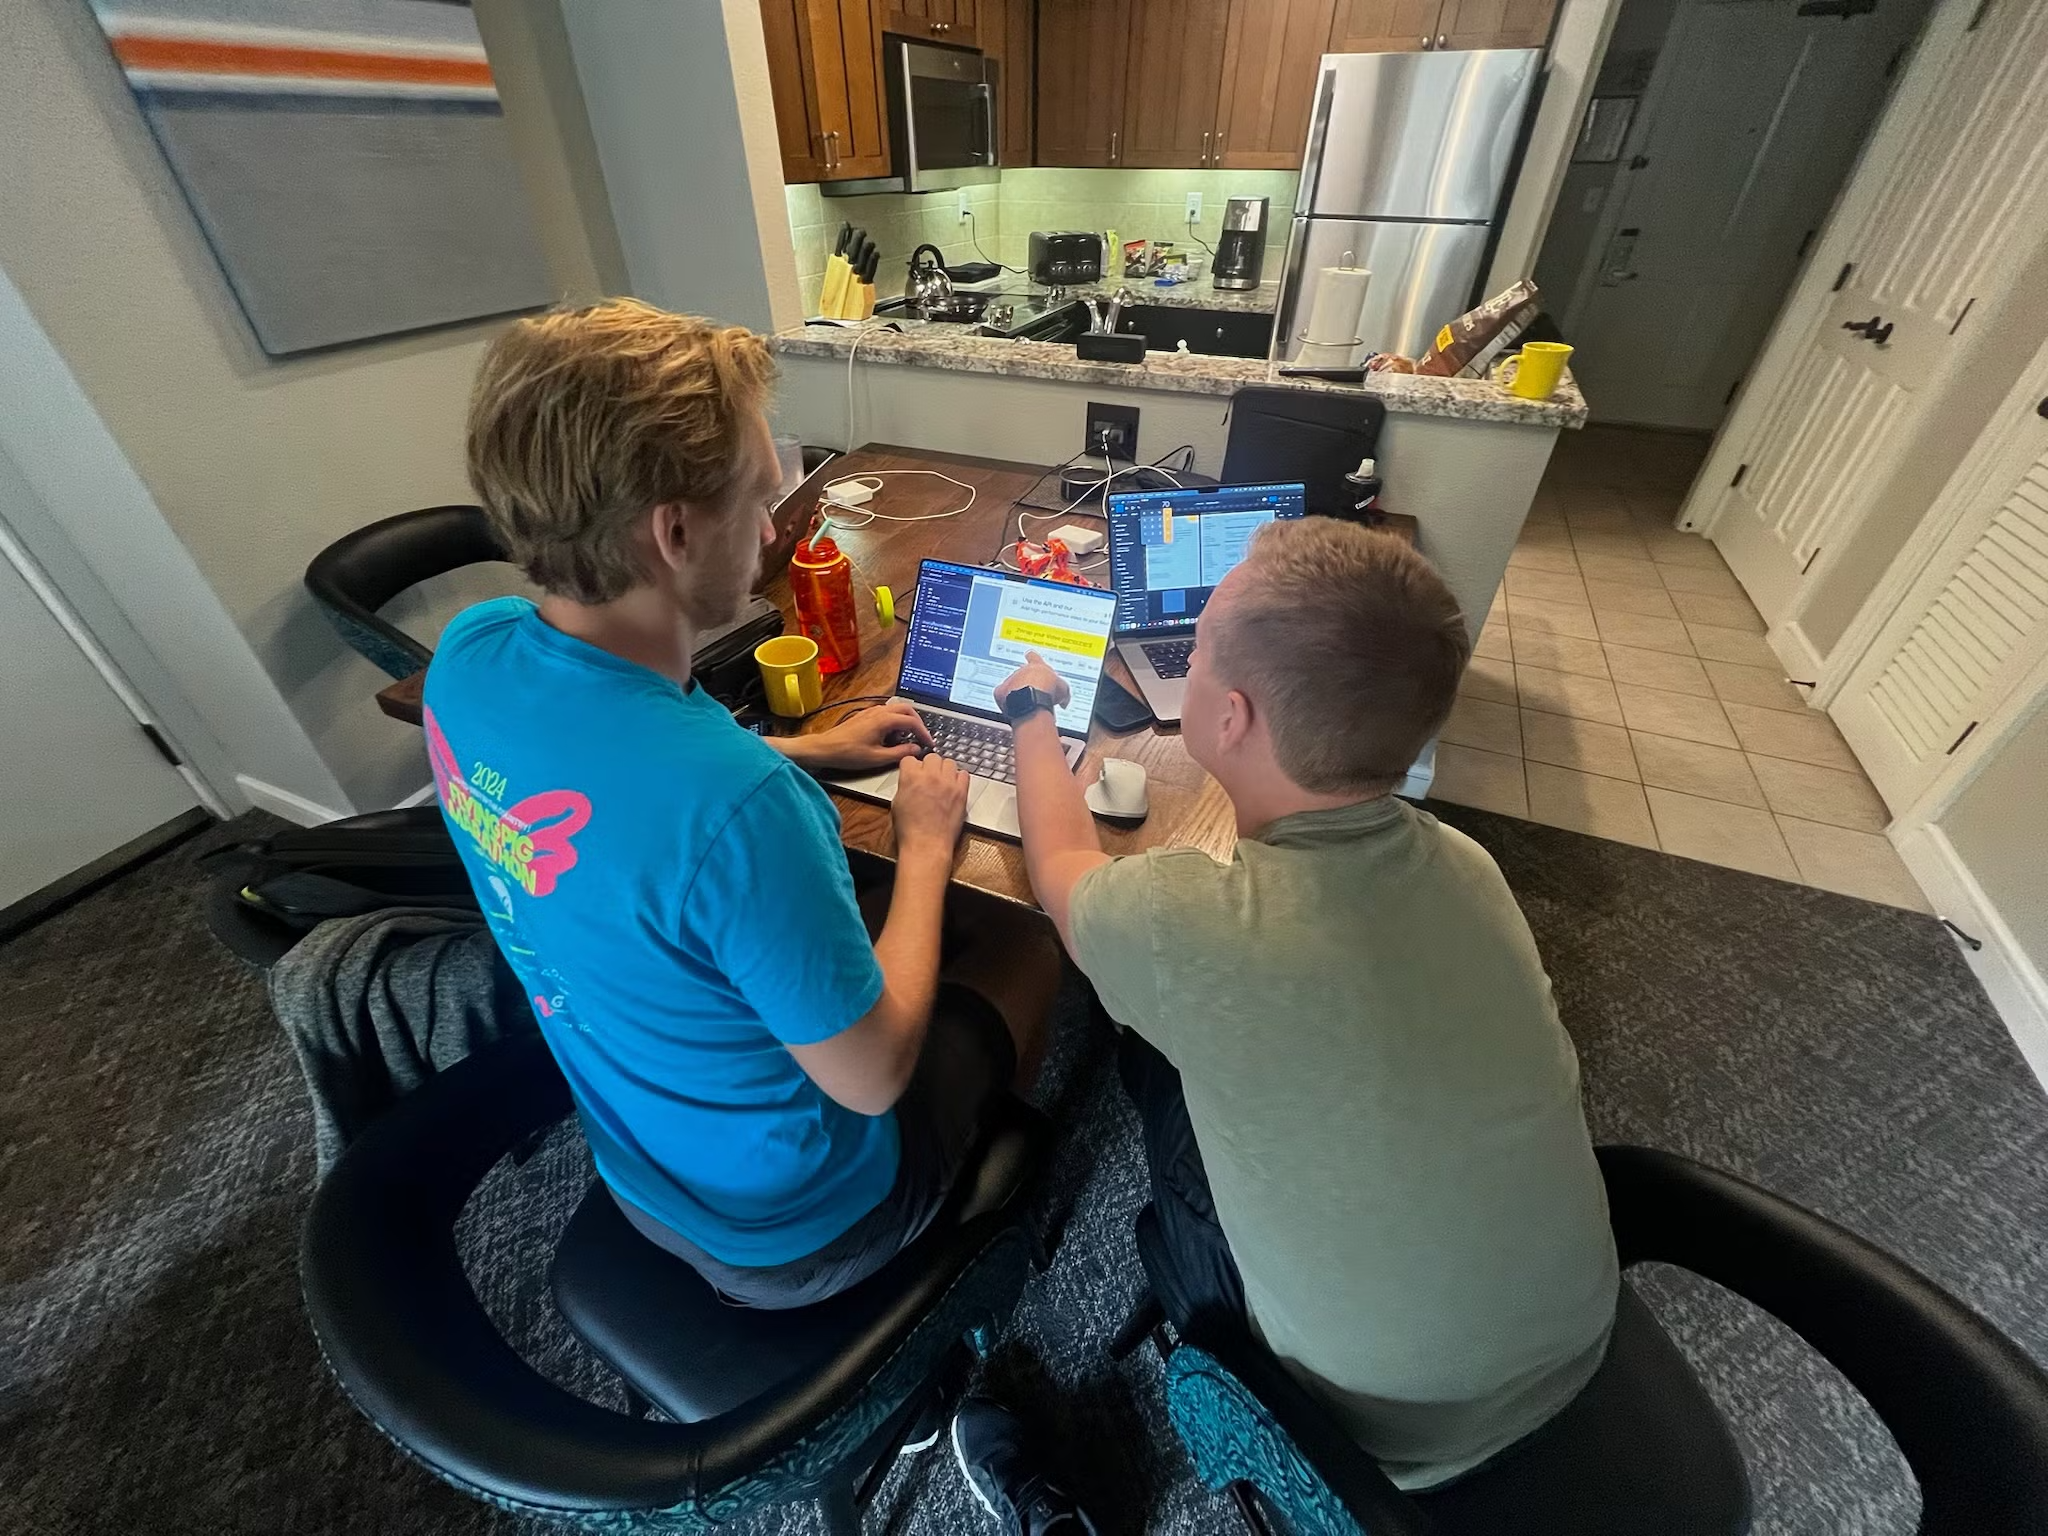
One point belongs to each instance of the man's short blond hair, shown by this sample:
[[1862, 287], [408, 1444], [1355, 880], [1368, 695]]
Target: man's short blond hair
[[584, 420], [1350, 644]]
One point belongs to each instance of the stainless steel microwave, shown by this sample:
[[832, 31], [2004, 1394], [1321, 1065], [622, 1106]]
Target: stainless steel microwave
[[943, 111]]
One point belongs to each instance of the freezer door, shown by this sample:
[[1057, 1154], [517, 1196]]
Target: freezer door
[[1415, 135], [1422, 277]]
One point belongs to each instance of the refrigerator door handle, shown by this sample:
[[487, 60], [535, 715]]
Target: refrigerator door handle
[[1318, 136], [1291, 269]]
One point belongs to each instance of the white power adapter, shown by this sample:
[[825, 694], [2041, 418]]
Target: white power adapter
[[1079, 541], [851, 492]]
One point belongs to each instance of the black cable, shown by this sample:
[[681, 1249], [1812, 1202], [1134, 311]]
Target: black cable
[[863, 698], [974, 239]]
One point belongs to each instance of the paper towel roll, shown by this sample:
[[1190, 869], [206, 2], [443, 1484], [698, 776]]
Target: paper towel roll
[[1340, 300]]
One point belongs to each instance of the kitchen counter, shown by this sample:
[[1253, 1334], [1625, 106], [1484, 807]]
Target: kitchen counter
[[953, 348]]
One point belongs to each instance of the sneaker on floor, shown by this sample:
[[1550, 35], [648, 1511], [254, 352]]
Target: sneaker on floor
[[988, 1442]]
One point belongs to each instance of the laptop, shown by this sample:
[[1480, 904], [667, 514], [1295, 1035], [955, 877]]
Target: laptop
[[1167, 552], [970, 628]]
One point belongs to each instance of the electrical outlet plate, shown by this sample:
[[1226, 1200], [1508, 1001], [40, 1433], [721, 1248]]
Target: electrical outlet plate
[[1115, 426], [1194, 207], [965, 211]]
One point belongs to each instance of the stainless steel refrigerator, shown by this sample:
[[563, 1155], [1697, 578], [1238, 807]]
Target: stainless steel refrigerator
[[1406, 159]]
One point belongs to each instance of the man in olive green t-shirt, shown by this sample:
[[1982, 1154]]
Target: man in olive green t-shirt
[[1382, 1100]]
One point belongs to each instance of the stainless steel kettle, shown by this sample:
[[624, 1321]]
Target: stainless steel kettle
[[929, 284]]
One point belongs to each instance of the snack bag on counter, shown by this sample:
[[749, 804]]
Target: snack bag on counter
[[1467, 347], [1134, 257]]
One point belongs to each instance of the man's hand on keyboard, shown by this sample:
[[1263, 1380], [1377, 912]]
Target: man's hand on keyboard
[[930, 807], [1035, 673], [874, 738]]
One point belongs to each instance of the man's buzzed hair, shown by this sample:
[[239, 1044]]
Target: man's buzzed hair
[[1350, 644]]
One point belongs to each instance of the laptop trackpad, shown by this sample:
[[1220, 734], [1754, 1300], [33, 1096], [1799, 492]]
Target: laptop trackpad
[[992, 806], [879, 786]]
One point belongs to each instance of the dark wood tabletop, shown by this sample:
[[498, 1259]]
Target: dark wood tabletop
[[1188, 809]]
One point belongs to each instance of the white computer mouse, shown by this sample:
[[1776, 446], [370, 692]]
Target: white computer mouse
[[1119, 794]]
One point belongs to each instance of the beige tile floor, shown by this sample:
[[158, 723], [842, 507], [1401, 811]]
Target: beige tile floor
[[1622, 687]]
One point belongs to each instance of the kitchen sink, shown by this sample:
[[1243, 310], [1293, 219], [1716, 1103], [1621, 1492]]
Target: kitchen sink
[[1213, 332]]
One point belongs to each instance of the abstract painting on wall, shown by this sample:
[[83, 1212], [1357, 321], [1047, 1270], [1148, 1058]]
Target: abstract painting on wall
[[347, 160]]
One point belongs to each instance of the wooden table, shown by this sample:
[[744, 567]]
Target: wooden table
[[1188, 809]]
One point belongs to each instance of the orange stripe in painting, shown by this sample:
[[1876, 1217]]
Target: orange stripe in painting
[[215, 58]]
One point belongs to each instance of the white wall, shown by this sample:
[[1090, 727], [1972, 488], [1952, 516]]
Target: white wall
[[253, 464], [680, 111], [1577, 44], [1999, 829]]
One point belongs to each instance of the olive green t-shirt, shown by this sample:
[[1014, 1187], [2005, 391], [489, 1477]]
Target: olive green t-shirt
[[1389, 1113]]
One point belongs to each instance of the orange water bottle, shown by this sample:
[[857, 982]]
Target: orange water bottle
[[821, 581]]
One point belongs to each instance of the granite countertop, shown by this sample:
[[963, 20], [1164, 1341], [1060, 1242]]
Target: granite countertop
[[1262, 300], [951, 347]]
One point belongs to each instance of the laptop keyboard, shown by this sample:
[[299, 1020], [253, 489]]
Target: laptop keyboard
[[978, 747], [1169, 658]]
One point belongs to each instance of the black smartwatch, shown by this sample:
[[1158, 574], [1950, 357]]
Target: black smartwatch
[[1020, 704]]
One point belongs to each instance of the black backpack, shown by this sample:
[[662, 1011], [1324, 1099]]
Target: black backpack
[[265, 894]]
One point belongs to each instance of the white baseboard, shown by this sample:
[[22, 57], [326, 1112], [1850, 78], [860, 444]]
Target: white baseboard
[[421, 796], [282, 802], [2012, 981]]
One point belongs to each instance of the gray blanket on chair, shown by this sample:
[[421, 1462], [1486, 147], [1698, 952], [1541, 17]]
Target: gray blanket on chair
[[375, 1005]]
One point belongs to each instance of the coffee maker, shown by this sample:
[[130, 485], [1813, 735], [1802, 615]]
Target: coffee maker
[[1242, 246]]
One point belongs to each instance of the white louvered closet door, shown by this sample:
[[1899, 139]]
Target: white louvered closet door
[[1974, 623], [1968, 191]]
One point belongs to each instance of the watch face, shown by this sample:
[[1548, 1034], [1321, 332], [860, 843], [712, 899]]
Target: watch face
[[1023, 703]]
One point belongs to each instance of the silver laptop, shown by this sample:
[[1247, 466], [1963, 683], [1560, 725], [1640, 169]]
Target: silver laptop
[[970, 628], [1167, 552]]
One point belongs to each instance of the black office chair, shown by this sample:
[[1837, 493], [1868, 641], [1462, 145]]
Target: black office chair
[[362, 571], [772, 1407], [1642, 1448]]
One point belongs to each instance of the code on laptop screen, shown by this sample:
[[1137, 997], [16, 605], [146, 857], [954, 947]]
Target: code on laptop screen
[[1168, 550]]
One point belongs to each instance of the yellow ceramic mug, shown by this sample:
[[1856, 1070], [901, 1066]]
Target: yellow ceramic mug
[[789, 671], [1533, 372]]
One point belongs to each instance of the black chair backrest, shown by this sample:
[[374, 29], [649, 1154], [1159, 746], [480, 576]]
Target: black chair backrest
[[1314, 436], [1968, 1408], [362, 571]]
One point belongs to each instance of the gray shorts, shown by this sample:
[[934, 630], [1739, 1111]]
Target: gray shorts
[[968, 1059]]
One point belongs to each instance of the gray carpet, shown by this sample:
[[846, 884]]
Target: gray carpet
[[156, 1374]]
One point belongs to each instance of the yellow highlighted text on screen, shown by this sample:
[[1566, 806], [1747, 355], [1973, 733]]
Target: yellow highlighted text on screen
[[1048, 637]]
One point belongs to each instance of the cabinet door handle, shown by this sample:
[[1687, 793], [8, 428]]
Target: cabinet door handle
[[832, 149], [1205, 149], [1426, 43], [1113, 136], [1440, 39]]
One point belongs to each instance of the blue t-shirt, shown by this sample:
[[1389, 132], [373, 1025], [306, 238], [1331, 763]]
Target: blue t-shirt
[[672, 892]]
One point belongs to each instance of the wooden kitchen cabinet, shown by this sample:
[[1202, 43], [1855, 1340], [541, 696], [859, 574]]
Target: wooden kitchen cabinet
[[824, 72], [1083, 48], [938, 21], [1495, 23], [1411, 26], [1384, 26], [1008, 30], [1269, 82], [1172, 83]]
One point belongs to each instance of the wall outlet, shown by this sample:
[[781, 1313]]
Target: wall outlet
[[966, 212], [1194, 207], [1111, 430]]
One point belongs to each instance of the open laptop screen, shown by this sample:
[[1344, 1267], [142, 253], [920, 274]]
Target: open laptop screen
[[970, 628], [1169, 549]]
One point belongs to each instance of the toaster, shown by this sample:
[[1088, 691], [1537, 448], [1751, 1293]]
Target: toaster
[[1061, 258]]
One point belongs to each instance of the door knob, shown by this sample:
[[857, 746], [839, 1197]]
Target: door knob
[[2041, 410], [1873, 329]]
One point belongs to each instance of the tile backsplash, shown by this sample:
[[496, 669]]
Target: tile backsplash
[[1146, 205], [1138, 205]]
